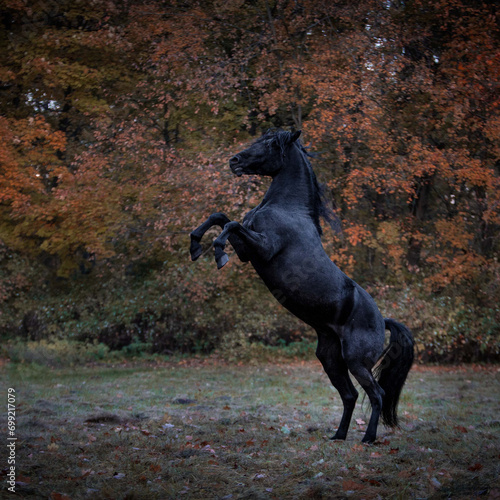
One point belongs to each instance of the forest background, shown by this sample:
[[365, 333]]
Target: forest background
[[117, 119]]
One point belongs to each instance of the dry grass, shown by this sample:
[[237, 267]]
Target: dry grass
[[208, 430]]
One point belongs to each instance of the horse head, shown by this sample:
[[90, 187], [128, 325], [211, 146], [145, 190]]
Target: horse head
[[265, 155]]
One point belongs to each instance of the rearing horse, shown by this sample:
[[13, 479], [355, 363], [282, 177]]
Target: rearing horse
[[281, 237]]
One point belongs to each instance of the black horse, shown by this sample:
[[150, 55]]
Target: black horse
[[281, 237]]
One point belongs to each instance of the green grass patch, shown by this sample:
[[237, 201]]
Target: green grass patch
[[206, 429]]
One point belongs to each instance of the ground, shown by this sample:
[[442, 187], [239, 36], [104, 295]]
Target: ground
[[206, 429]]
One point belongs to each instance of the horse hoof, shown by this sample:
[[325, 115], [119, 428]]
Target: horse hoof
[[337, 437], [368, 439], [222, 261], [195, 250]]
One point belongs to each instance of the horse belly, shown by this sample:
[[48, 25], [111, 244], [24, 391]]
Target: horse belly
[[316, 291], [313, 293]]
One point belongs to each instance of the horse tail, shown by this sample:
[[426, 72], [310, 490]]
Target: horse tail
[[393, 368]]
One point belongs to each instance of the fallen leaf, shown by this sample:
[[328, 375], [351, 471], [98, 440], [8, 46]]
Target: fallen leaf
[[59, 496], [349, 485], [435, 482], [406, 473], [475, 467], [209, 449]]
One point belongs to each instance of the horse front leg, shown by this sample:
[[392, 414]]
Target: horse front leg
[[221, 220], [253, 243], [217, 219]]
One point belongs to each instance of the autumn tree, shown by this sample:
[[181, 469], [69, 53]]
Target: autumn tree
[[117, 119]]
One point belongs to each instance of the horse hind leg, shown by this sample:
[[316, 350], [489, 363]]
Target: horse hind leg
[[361, 370], [329, 352]]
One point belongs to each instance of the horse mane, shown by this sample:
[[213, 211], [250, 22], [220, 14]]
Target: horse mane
[[319, 206]]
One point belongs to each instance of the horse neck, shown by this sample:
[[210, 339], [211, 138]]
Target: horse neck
[[293, 186]]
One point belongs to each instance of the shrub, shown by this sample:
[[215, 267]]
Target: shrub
[[446, 328], [54, 353], [233, 314]]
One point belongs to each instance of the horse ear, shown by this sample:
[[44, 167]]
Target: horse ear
[[295, 136]]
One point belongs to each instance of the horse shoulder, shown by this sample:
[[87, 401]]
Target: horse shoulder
[[277, 220], [249, 217]]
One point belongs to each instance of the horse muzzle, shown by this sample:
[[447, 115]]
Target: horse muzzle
[[234, 164]]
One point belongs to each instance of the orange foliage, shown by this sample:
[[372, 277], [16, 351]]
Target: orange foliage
[[118, 144]]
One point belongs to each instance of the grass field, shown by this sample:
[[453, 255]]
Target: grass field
[[205, 429]]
